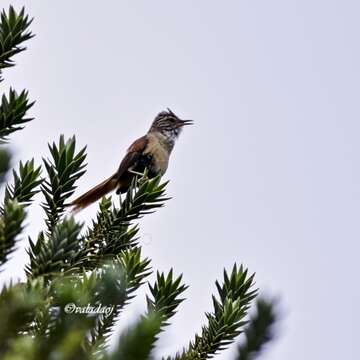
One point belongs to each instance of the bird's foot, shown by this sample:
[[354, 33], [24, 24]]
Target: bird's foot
[[137, 173]]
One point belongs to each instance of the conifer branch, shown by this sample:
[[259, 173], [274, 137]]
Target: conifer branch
[[105, 286], [25, 183], [112, 285], [226, 320], [65, 168], [55, 253], [11, 225], [13, 111], [165, 296], [259, 330], [143, 197], [18, 307], [43, 317], [112, 232], [13, 32], [66, 331], [138, 341], [161, 307], [130, 272], [108, 236]]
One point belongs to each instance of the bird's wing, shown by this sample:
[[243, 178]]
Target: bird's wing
[[132, 156]]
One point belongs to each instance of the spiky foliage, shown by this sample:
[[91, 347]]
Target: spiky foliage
[[19, 304], [138, 341], [65, 167], [25, 185], [132, 271], [109, 235], [66, 327], [13, 111], [97, 288], [259, 331], [112, 231], [227, 319], [11, 225], [13, 32], [54, 254], [21, 192], [162, 305], [165, 296]]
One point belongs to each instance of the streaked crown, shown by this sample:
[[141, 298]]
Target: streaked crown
[[168, 123]]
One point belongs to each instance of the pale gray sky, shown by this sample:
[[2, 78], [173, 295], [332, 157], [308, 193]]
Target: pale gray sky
[[269, 176]]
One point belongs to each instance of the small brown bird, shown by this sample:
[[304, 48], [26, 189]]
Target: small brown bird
[[151, 152]]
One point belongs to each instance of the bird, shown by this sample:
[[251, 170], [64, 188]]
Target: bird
[[149, 153]]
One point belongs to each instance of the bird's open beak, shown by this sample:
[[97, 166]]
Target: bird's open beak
[[181, 123]]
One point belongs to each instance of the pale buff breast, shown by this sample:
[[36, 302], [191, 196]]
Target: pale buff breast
[[159, 149]]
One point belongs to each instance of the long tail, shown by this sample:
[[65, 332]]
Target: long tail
[[94, 194]]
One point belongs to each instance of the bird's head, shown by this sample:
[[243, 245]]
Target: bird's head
[[168, 124]]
